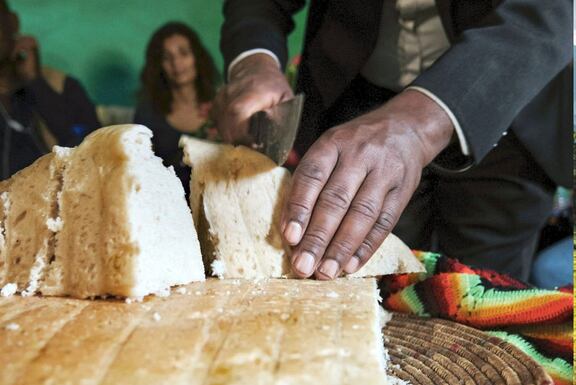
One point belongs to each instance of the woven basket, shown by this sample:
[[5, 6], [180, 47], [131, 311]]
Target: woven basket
[[429, 351]]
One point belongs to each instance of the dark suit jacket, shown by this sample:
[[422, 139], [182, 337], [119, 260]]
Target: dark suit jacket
[[507, 67]]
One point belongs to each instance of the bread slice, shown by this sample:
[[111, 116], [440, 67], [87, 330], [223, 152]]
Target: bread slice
[[236, 195], [32, 195], [105, 218], [127, 228]]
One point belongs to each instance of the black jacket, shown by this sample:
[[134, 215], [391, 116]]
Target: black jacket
[[507, 68]]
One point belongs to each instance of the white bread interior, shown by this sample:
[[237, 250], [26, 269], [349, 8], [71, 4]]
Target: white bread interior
[[236, 195], [4, 209]]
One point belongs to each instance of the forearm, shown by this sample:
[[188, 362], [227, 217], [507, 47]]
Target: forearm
[[494, 70]]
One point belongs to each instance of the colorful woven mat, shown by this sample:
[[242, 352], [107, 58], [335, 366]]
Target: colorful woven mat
[[537, 321]]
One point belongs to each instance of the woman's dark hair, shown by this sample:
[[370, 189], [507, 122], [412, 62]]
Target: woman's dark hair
[[155, 87]]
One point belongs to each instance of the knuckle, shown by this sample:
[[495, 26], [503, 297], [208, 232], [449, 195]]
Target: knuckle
[[297, 210], [297, 206], [335, 197], [366, 249], [315, 239], [384, 223], [365, 208], [340, 249], [311, 173], [236, 108]]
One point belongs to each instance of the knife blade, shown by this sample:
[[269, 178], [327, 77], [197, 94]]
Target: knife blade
[[273, 131]]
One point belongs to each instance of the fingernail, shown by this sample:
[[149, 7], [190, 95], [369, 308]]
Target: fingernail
[[352, 265], [329, 268], [293, 233], [304, 263]]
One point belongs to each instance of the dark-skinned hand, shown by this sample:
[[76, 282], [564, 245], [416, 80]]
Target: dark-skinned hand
[[255, 84], [350, 188]]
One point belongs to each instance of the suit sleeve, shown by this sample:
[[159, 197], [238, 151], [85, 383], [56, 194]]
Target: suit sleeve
[[493, 71], [250, 24]]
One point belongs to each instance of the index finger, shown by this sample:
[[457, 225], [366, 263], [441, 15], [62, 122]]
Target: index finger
[[308, 180]]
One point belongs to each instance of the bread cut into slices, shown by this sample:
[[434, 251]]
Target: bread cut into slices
[[233, 332], [104, 218], [236, 195]]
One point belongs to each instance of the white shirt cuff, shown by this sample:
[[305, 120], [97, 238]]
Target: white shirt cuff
[[461, 138], [254, 51]]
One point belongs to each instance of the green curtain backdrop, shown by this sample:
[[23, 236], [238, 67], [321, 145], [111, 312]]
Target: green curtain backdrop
[[102, 42]]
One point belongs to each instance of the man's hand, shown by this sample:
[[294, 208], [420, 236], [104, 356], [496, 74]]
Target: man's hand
[[26, 58], [256, 83], [353, 183]]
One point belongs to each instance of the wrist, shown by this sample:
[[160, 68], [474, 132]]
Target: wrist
[[427, 121], [256, 63]]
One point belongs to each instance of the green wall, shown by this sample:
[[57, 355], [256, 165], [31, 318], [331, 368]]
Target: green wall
[[102, 42]]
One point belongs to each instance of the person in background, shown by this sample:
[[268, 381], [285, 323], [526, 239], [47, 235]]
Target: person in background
[[445, 121], [178, 83], [39, 107]]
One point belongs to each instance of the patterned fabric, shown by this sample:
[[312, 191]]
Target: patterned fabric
[[537, 321]]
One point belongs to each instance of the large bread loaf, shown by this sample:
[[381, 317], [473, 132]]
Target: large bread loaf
[[233, 332]]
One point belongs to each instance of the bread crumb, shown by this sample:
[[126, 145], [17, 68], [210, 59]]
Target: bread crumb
[[54, 224], [61, 151], [396, 381], [218, 268], [5, 202], [325, 327], [36, 272], [8, 290], [198, 292], [181, 290], [164, 292], [355, 327], [130, 300], [332, 294], [156, 316], [12, 326], [385, 316], [284, 316]]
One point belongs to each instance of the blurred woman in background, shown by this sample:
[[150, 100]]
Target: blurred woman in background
[[178, 83]]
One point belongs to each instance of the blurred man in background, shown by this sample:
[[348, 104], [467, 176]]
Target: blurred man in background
[[39, 107]]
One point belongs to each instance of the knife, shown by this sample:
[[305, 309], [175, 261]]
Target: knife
[[273, 131]]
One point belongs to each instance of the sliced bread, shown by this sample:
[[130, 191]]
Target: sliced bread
[[127, 228], [104, 218]]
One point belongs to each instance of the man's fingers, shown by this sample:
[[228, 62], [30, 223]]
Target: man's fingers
[[330, 207], [308, 180], [358, 222], [236, 105], [394, 203]]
